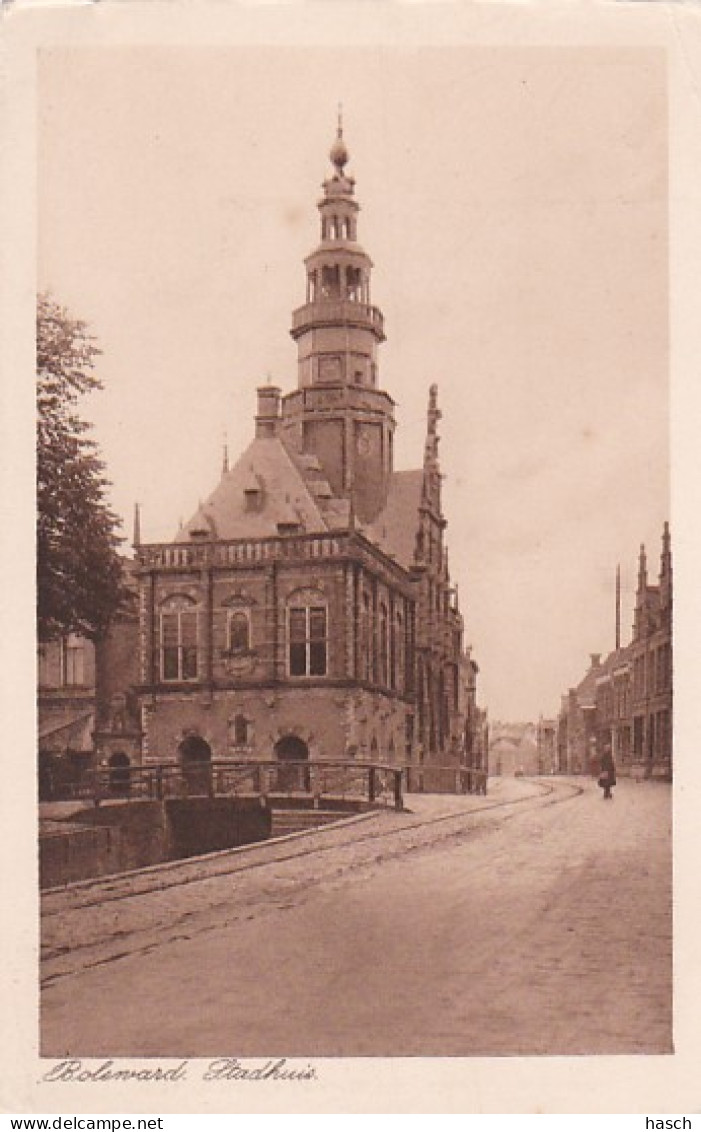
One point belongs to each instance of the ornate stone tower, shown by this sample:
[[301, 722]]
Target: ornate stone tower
[[641, 613], [338, 413]]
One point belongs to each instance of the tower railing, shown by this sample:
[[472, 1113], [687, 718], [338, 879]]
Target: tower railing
[[338, 311]]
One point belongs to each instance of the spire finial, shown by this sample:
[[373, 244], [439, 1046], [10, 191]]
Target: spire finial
[[339, 152], [136, 540], [225, 455]]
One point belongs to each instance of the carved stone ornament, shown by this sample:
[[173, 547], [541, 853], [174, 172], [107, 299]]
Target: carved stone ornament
[[239, 664]]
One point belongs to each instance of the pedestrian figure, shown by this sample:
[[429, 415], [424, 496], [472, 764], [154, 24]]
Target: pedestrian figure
[[607, 779]]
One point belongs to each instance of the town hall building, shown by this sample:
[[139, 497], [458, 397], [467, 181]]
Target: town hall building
[[306, 610]]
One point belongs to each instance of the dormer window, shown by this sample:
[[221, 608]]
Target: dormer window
[[289, 527], [253, 493]]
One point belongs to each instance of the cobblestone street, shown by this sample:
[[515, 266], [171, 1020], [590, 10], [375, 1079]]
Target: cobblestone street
[[536, 920]]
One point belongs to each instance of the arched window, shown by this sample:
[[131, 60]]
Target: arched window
[[365, 639], [239, 730], [399, 652], [330, 283], [383, 647], [239, 634], [421, 724], [178, 639], [353, 283], [307, 634]]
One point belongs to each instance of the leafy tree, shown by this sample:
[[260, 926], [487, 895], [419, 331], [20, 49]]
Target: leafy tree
[[79, 576]]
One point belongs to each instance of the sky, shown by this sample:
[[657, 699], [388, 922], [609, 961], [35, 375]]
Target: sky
[[514, 202]]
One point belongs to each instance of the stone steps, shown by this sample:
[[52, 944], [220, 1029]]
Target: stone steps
[[298, 821]]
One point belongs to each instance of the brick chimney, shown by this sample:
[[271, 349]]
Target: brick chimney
[[268, 416], [595, 658]]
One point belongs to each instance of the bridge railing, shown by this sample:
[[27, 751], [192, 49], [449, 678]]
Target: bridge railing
[[377, 784], [373, 783], [427, 779]]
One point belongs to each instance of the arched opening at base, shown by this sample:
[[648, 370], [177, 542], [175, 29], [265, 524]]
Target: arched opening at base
[[293, 750], [195, 749], [196, 760], [120, 773]]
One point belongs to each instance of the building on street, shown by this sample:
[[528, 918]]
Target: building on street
[[623, 704]]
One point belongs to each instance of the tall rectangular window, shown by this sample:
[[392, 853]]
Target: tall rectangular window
[[188, 639], [383, 651], [75, 661], [317, 641], [179, 645], [169, 644], [298, 641], [307, 640]]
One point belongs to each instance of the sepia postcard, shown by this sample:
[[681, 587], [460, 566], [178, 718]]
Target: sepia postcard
[[348, 557]]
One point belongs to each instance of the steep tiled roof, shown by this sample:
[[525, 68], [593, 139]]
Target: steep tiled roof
[[284, 496], [394, 529], [586, 689]]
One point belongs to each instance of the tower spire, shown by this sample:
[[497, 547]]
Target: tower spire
[[642, 570], [666, 561], [433, 416], [641, 597], [225, 455], [348, 420], [136, 539], [432, 476]]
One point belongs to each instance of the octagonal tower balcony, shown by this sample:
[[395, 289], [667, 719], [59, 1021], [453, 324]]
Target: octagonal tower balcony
[[338, 312]]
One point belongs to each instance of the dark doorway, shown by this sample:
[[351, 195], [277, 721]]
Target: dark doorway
[[120, 773], [195, 749], [196, 758], [293, 750]]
